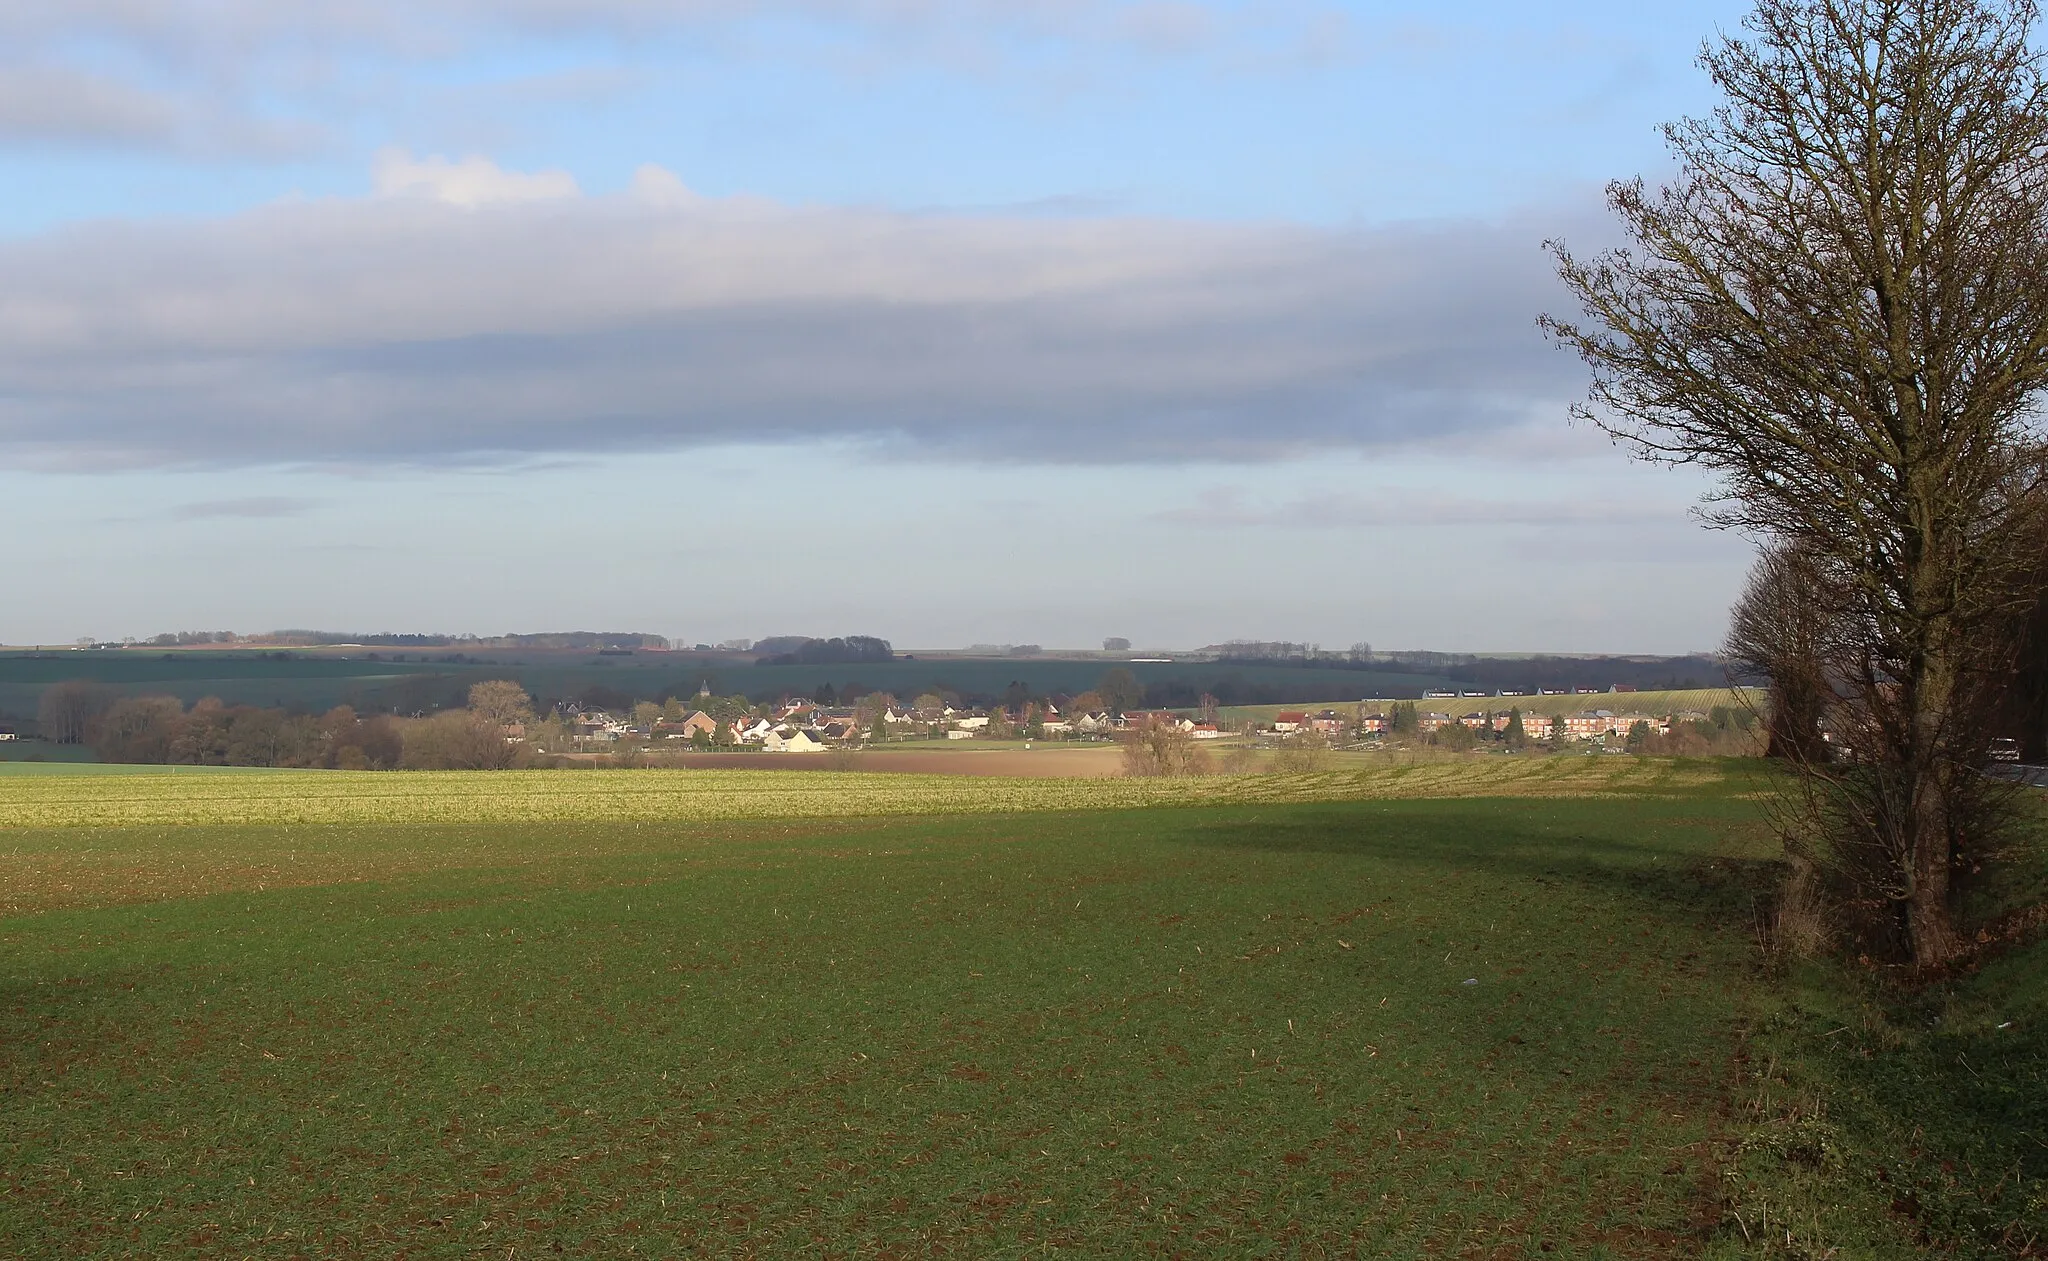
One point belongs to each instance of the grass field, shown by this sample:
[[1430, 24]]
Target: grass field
[[45, 797], [12, 751], [1703, 700], [320, 680], [1267, 1025]]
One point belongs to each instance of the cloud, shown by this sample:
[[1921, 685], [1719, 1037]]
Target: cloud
[[239, 77], [476, 322], [54, 104], [46, 105], [473, 181], [263, 507]]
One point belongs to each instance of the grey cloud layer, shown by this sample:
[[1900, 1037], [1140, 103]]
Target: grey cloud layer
[[408, 329], [269, 78]]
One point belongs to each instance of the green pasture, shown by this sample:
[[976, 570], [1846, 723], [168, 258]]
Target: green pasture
[[299, 681], [161, 796], [33, 752], [1325, 1019], [320, 680], [1660, 703]]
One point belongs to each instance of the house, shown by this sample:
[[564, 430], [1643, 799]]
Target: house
[[1375, 724], [1329, 723], [1055, 727], [975, 723], [1289, 721], [752, 733], [791, 740], [959, 734], [698, 722], [1093, 723], [1431, 721], [1156, 718], [1589, 724], [1205, 731]]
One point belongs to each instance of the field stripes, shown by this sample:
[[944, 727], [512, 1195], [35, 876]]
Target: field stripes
[[420, 797]]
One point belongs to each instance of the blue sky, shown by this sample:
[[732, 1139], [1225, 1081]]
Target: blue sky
[[961, 321]]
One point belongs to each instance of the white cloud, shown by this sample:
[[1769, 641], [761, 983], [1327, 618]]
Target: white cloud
[[471, 182], [496, 314], [660, 187]]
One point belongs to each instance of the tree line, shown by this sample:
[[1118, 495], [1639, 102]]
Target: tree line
[[162, 730], [1838, 305]]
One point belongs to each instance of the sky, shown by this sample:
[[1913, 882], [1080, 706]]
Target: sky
[[950, 321]]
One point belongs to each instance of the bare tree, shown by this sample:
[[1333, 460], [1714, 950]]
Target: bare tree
[[1840, 305], [459, 740], [500, 701], [69, 711], [1162, 750], [1303, 753], [1787, 627]]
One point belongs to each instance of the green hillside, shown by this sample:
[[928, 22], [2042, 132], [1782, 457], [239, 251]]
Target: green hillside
[[320, 680], [1658, 703]]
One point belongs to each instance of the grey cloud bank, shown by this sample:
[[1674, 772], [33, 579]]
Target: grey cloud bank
[[476, 313]]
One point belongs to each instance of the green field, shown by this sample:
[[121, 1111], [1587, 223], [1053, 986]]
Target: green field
[[720, 1014], [14, 752], [320, 680], [1702, 700]]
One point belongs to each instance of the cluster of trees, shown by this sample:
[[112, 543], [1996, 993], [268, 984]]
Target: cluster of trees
[[170, 639], [162, 730], [317, 639], [852, 650], [1280, 650], [1839, 305]]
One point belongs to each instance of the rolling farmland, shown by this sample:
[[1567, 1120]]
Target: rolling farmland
[[1489, 1006]]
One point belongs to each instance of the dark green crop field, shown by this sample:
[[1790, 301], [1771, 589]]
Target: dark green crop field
[[318, 681], [1480, 1027]]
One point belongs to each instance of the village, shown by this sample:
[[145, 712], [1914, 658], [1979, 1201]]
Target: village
[[804, 726]]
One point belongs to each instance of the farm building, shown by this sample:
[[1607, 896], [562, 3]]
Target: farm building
[[785, 740]]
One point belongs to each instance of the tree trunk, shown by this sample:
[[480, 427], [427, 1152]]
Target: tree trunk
[[1926, 853]]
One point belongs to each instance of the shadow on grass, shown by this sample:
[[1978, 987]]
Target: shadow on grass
[[1670, 853]]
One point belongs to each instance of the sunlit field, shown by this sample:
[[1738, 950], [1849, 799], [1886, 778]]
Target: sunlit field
[[683, 1013]]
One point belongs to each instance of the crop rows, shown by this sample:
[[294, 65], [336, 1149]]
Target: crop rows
[[325, 797]]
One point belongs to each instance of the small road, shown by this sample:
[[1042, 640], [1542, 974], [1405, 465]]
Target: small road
[[2022, 772]]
